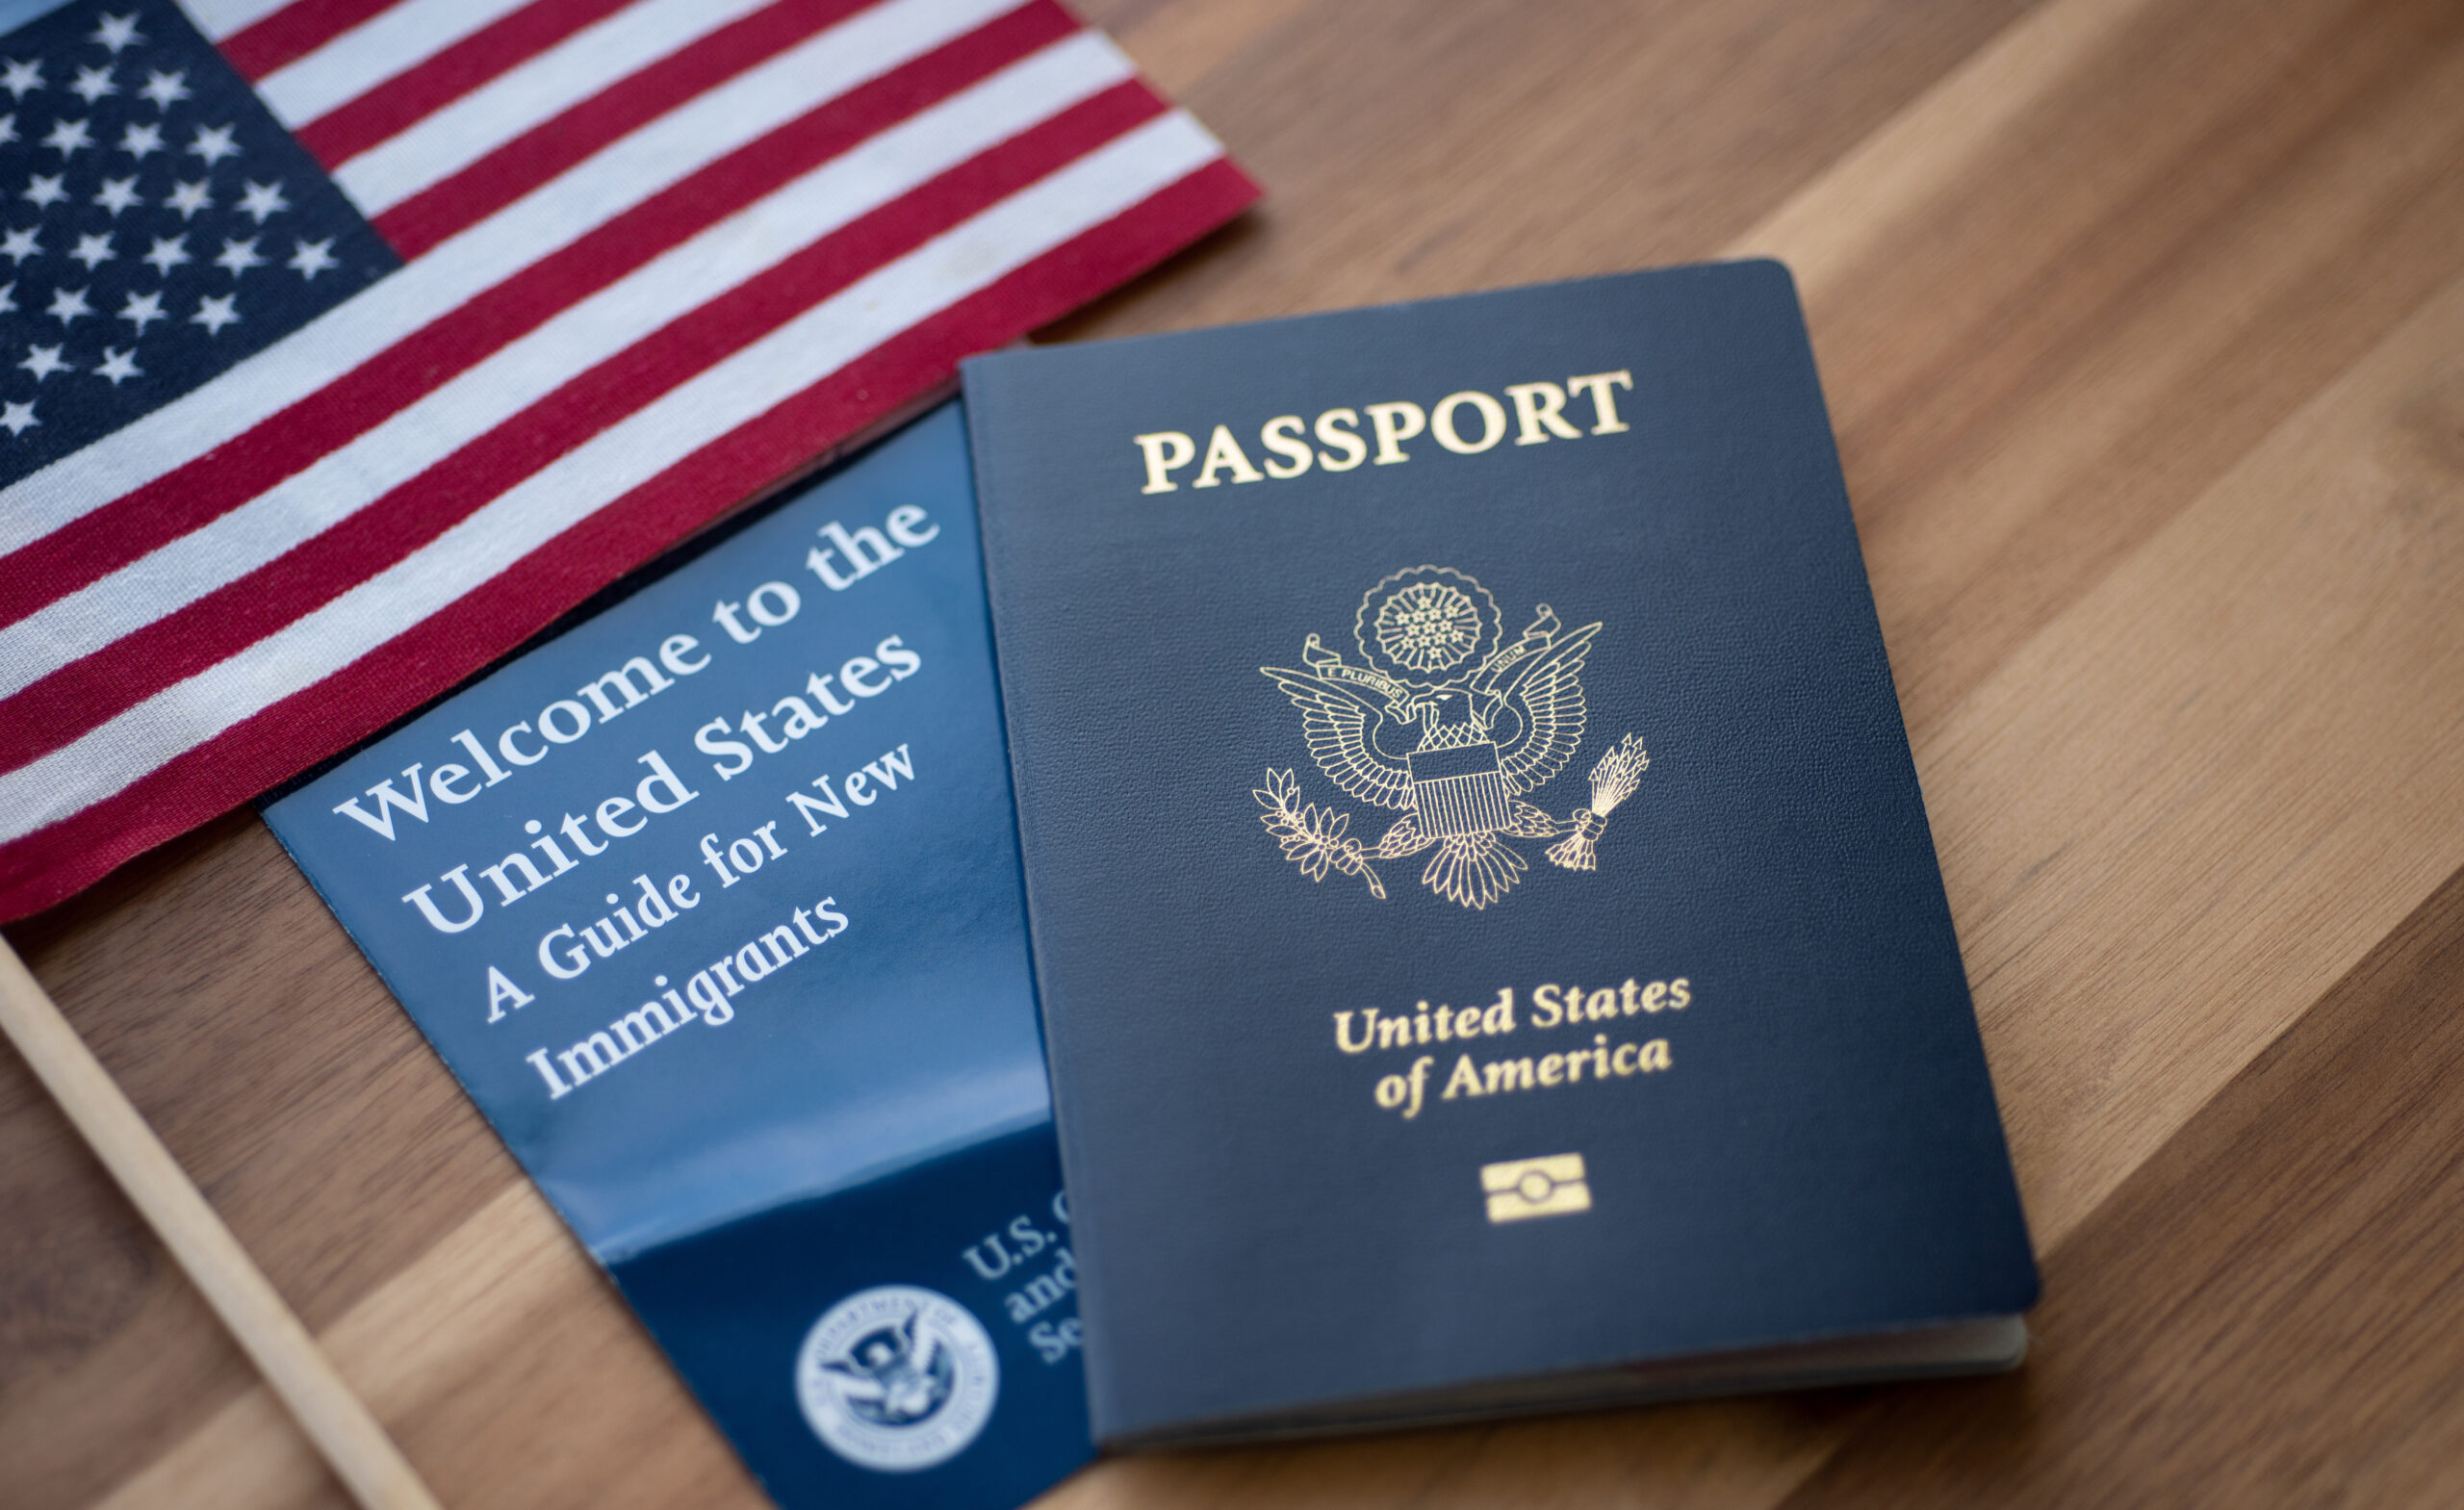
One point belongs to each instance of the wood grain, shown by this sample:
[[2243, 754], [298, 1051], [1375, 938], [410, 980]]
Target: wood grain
[[285, 1355], [2143, 324], [2287, 1258]]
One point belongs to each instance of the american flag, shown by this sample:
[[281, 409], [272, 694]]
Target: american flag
[[344, 342]]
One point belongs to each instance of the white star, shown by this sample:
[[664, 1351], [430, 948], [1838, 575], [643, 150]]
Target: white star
[[216, 312], [7, 298], [67, 137], [164, 89], [9, 127], [17, 418], [117, 32], [92, 84], [264, 199], [93, 250], [116, 365], [68, 306], [239, 256], [167, 252], [42, 362], [118, 194], [187, 199], [142, 310], [212, 143], [44, 189], [311, 258], [20, 79], [138, 141], [18, 245]]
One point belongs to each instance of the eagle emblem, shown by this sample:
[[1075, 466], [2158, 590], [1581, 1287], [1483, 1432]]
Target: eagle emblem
[[1452, 726], [892, 1380]]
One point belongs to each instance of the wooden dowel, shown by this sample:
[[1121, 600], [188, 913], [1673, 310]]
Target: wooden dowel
[[335, 1419]]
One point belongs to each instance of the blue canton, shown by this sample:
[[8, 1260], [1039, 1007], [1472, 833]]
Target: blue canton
[[156, 226]]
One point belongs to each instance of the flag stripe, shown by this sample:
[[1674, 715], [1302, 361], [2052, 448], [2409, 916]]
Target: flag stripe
[[797, 355], [658, 258], [423, 506], [402, 35], [328, 715], [619, 178], [518, 165], [357, 124], [976, 90], [392, 681], [919, 359], [221, 18], [567, 74], [259, 38], [63, 659]]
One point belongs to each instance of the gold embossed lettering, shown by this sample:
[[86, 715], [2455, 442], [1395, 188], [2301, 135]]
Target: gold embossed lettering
[[1394, 423], [1281, 436], [1600, 387], [1540, 409], [1340, 429], [1342, 1030], [1508, 1074], [1223, 453], [1443, 421], [1166, 451]]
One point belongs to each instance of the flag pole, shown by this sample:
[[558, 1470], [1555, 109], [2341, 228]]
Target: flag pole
[[336, 1419]]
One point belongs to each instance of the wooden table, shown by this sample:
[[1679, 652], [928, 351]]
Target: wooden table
[[2143, 323]]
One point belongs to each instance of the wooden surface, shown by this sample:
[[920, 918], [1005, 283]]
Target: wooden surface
[[285, 1355], [2143, 324]]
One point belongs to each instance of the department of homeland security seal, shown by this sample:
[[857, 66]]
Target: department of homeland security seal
[[897, 1378]]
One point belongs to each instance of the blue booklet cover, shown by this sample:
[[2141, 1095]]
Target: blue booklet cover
[[713, 903], [1491, 945]]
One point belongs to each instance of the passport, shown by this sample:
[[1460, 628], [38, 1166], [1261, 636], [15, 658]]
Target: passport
[[1491, 946], [711, 902]]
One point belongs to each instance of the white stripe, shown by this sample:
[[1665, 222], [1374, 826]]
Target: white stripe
[[627, 172], [583, 480], [441, 145], [394, 41], [756, 238], [219, 19]]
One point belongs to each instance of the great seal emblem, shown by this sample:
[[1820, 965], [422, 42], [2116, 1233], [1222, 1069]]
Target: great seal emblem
[[1452, 726], [897, 1378]]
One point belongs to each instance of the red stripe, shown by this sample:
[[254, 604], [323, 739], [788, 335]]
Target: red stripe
[[924, 356], [75, 699], [420, 90], [188, 497], [623, 107], [347, 705], [293, 33]]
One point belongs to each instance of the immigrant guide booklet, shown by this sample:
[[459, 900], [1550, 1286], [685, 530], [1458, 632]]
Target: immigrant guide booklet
[[1491, 947], [713, 903]]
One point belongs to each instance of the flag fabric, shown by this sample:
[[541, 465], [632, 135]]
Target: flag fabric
[[345, 344]]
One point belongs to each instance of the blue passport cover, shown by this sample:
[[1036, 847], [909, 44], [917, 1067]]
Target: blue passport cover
[[1485, 917], [713, 903]]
